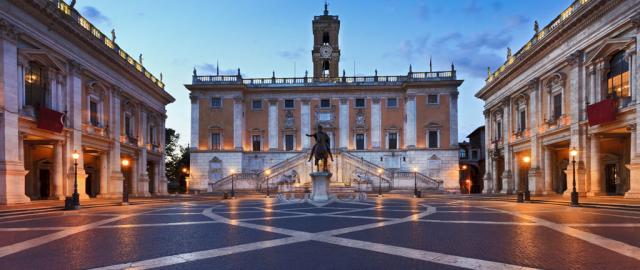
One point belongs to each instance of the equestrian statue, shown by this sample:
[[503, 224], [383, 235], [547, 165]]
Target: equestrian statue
[[321, 150]]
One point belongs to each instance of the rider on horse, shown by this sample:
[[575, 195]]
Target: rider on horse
[[322, 149]]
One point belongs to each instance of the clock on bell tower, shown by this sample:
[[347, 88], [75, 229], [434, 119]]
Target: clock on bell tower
[[326, 52]]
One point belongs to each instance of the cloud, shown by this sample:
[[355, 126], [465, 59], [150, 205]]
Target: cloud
[[488, 40], [95, 16], [410, 49], [292, 54], [210, 69], [516, 21]]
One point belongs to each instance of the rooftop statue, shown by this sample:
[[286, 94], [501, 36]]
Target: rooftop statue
[[321, 150]]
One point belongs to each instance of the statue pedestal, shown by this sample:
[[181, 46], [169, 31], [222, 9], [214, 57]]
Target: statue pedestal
[[320, 189]]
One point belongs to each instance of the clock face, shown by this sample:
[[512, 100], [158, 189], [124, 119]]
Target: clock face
[[325, 51]]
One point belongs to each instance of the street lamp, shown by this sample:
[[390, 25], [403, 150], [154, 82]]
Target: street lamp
[[574, 194], [380, 182], [233, 189], [415, 183], [267, 173], [185, 171], [125, 189], [75, 196]]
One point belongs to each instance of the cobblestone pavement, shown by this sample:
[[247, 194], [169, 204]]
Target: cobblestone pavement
[[394, 232]]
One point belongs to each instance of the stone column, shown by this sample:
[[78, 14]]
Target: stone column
[[162, 183], [634, 165], [376, 122], [116, 177], [133, 164], [344, 123], [238, 123], [410, 124], [453, 119], [195, 121], [58, 171], [496, 176], [305, 122], [143, 140], [536, 185], [273, 124], [489, 185], [104, 174], [508, 184], [595, 167], [548, 171], [578, 132], [75, 114]]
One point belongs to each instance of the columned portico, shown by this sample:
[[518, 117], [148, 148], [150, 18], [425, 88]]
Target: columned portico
[[58, 171], [595, 168]]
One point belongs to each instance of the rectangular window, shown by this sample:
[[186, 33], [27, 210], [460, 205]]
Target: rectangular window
[[498, 130], [257, 142], [359, 141], [359, 102], [475, 154], [463, 154], [557, 106], [215, 141], [523, 120], [432, 99], [93, 111], [256, 104], [324, 116], [325, 103], [127, 126], [288, 104], [288, 142], [216, 102], [152, 134], [433, 139], [393, 140], [392, 102]]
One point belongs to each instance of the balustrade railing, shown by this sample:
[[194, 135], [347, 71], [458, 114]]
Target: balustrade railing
[[297, 81]]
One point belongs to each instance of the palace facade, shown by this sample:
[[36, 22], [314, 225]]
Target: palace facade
[[385, 130], [574, 85], [65, 87]]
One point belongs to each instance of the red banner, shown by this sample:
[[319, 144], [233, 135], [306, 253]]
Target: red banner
[[50, 120], [602, 112]]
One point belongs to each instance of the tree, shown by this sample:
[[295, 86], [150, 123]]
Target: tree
[[177, 158]]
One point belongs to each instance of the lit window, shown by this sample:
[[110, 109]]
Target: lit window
[[359, 102], [36, 85], [215, 141], [216, 102], [325, 103], [432, 99], [463, 153], [359, 141], [618, 76], [392, 102], [288, 103]]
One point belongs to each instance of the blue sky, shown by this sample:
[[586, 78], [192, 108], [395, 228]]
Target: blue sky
[[274, 35]]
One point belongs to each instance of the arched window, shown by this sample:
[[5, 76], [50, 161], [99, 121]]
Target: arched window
[[325, 38], [618, 76]]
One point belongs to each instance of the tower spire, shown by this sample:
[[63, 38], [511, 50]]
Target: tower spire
[[326, 9]]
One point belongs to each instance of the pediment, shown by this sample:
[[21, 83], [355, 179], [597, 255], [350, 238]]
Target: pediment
[[43, 57], [608, 47]]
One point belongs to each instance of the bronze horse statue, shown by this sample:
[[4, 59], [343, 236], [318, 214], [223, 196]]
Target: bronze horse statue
[[321, 150]]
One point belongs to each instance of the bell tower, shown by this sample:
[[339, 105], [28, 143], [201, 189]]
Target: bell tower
[[326, 51]]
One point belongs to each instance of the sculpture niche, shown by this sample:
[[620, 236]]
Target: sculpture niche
[[321, 149]]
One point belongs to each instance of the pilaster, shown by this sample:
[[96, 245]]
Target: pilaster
[[344, 123], [453, 119], [410, 124], [195, 121], [238, 123], [376, 123], [273, 124], [305, 122]]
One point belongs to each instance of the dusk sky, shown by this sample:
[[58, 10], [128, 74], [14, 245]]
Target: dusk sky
[[264, 36]]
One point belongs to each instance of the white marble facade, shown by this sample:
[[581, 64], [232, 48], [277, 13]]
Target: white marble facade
[[113, 109], [535, 106]]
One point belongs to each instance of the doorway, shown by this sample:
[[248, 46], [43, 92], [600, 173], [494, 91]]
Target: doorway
[[44, 182], [611, 179]]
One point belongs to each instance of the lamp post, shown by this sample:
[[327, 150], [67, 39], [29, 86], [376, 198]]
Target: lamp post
[[527, 193], [415, 183], [267, 173], [380, 182], [574, 194], [185, 171], [125, 189], [75, 195], [233, 188]]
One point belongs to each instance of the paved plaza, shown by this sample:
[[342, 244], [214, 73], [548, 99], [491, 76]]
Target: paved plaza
[[394, 232]]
